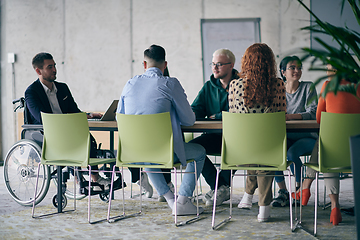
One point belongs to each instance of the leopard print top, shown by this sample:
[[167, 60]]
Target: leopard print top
[[237, 104]]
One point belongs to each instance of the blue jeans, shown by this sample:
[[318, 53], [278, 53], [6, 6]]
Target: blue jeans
[[192, 151], [295, 150]]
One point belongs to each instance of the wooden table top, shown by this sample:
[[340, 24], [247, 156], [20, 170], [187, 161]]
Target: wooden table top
[[203, 126]]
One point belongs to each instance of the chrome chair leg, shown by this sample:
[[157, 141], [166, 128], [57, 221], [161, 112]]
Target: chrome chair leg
[[291, 211], [197, 201], [316, 201], [215, 227]]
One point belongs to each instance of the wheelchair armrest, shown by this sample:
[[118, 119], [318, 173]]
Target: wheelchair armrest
[[32, 126]]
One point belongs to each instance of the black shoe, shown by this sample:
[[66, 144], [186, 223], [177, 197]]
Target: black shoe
[[297, 203], [349, 211], [282, 200]]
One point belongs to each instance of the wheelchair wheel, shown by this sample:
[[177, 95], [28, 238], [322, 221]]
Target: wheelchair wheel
[[104, 197], [69, 192], [20, 173], [55, 202]]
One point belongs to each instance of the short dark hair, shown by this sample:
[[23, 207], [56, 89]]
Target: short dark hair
[[284, 63], [156, 53], [38, 60]]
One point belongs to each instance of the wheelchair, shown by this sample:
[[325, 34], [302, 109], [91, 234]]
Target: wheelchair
[[21, 167]]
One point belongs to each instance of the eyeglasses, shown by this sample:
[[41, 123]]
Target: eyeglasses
[[292, 68], [218, 64]]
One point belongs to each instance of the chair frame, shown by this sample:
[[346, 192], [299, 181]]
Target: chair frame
[[281, 167], [320, 167], [174, 171], [90, 161], [121, 163], [217, 226]]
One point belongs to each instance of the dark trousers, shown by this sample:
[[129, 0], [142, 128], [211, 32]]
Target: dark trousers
[[212, 144]]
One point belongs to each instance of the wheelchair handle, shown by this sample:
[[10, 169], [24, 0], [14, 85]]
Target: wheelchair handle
[[21, 105]]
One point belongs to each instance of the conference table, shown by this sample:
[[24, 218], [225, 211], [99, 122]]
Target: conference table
[[211, 126]]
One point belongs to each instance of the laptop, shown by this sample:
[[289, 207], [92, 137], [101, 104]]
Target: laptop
[[110, 113]]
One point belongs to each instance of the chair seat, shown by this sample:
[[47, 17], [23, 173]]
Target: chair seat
[[263, 167], [316, 167], [74, 163], [176, 165], [99, 161]]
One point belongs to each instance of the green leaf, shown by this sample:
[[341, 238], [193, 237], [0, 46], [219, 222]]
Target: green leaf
[[345, 57]]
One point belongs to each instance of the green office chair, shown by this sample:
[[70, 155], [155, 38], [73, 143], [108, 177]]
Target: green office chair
[[67, 143], [253, 139], [147, 138], [334, 150]]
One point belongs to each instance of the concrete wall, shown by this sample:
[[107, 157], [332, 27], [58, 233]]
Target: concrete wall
[[98, 44]]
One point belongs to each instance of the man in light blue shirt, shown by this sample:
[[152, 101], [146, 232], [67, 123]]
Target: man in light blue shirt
[[152, 93]]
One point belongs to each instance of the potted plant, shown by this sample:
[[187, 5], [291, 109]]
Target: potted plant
[[345, 58]]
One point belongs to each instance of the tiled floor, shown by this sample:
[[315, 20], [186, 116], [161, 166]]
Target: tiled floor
[[156, 222]]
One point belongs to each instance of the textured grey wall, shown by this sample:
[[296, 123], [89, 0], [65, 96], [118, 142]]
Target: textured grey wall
[[98, 44]]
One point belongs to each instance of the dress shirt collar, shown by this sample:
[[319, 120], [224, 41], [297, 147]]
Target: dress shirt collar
[[47, 90], [153, 70]]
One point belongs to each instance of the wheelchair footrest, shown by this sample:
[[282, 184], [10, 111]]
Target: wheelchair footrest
[[85, 186]]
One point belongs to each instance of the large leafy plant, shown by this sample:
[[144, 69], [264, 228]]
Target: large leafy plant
[[345, 57]]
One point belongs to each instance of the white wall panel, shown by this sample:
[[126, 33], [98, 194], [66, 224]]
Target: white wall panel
[[98, 45]]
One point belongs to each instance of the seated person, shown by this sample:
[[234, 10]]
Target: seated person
[[298, 108], [209, 103], [49, 96], [342, 102], [250, 95], [152, 93]]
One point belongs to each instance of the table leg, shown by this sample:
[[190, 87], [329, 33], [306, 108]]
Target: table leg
[[111, 141], [59, 189]]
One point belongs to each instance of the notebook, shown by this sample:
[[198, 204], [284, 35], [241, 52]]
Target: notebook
[[110, 113]]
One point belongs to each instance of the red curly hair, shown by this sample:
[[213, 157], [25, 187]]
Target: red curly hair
[[258, 68]]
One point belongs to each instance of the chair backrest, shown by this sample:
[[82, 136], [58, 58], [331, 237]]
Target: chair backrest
[[66, 139], [335, 132], [255, 138], [145, 138]]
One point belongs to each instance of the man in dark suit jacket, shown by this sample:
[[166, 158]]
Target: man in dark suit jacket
[[37, 100], [47, 95]]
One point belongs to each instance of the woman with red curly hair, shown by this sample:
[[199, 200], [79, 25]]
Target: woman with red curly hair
[[258, 91]]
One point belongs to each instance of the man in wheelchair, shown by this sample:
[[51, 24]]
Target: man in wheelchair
[[49, 96]]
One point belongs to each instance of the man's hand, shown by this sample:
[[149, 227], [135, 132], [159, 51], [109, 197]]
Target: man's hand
[[94, 115]]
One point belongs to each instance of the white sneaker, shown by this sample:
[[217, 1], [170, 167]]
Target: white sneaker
[[223, 194], [172, 189], [186, 209], [264, 213], [209, 195], [145, 185], [246, 201], [102, 181], [171, 202]]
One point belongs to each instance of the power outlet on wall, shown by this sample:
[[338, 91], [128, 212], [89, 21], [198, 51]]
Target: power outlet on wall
[[11, 57]]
